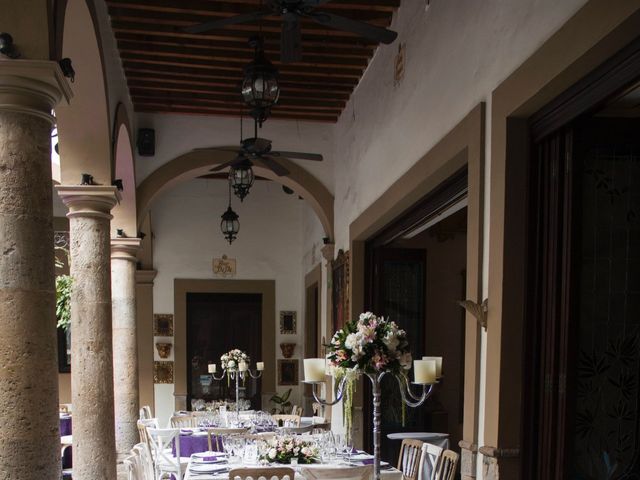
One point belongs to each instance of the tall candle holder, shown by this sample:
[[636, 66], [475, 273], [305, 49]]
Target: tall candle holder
[[408, 397], [236, 374]]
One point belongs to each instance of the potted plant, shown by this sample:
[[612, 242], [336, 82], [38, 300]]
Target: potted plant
[[63, 302], [283, 405]]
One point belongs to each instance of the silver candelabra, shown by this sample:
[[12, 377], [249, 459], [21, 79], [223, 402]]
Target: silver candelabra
[[408, 397], [237, 375]]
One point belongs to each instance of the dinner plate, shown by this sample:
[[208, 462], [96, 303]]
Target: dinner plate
[[208, 468], [209, 454], [201, 460]]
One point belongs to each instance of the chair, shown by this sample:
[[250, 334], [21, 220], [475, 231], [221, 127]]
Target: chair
[[410, 459], [214, 436], [346, 473], [257, 473], [286, 418], [145, 413], [145, 467], [182, 421], [448, 465], [431, 454], [321, 427], [296, 410], [160, 441], [65, 408]]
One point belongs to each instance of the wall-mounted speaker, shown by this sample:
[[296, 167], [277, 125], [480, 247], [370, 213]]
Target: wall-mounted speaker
[[146, 142]]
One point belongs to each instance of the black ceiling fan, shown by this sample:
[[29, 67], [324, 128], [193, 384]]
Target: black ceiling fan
[[291, 12], [258, 150]]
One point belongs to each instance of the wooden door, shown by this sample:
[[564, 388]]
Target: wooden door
[[217, 323]]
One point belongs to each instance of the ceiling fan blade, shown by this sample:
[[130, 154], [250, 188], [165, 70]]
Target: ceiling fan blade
[[220, 149], [302, 156], [274, 166], [370, 32], [231, 163], [290, 39], [223, 22]]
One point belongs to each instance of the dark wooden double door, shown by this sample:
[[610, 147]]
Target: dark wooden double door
[[582, 374], [216, 323]]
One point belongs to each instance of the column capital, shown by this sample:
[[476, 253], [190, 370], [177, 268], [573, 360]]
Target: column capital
[[145, 277], [328, 251], [33, 87], [89, 200], [125, 248]]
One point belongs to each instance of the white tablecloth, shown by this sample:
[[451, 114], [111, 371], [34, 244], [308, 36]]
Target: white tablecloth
[[387, 474], [439, 439]]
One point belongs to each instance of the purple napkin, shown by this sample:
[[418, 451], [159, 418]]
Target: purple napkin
[[368, 461]]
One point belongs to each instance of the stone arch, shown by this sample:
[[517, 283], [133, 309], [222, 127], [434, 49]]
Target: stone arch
[[124, 214], [198, 162], [83, 126]]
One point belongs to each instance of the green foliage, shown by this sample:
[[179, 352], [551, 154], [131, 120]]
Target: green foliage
[[63, 301], [282, 402]]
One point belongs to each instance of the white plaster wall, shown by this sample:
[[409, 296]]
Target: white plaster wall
[[179, 134], [457, 52], [186, 228]]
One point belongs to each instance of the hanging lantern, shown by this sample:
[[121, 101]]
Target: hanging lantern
[[260, 89], [241, 178], [230, 225]]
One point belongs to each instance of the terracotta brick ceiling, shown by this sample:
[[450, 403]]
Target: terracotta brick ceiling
[[171, 71]]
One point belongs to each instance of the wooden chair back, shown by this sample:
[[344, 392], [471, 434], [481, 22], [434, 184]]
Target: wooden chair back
[[296, 410], [410, 458], [298, 430], [448, 465], [215, 434], [65, 408], [364, 472], [286, 418], [431, 462], [281, 473], [182, 421], [145, 412], [161, 440]]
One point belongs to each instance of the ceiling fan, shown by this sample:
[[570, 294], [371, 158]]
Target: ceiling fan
[[292, 11], [258, 150]]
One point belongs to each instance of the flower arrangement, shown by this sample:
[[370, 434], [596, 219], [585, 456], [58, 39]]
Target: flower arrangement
[[283, 449], [230, 361], [369, 345]]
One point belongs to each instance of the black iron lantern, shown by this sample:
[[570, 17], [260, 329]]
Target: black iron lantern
[[241, 178], [230, 225], [260, 89]]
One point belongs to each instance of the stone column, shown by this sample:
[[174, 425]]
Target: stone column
[[94, 452], [125, 348], [29, 443]]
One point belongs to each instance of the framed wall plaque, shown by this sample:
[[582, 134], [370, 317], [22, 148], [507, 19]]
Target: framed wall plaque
[[288, 322], [287, 372], [162, 372], [163, 324]]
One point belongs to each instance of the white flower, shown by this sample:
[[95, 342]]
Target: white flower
[[405, 360], [272, 453], [391, 341], [351, 341]]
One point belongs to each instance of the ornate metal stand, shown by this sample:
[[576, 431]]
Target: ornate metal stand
[[408, 397], [237, 375]]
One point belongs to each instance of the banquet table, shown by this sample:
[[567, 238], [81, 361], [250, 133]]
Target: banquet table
[[191, 443], [386, 473], [65, 436]]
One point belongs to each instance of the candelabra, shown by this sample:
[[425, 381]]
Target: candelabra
[[408, 397], [237, 375]]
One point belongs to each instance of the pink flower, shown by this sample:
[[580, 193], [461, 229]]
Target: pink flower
[[379, 361]]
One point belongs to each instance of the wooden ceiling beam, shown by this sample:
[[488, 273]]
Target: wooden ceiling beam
[[235, 100], [272, 39], [239, 60], [246, 29], [188, 109], [294, 88], [223, 9], [159, 85], [218, 65], [241, 47]]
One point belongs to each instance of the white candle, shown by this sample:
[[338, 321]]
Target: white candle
[[260, 366], [424, 371], [212, 368], [438, 361], [314, 369], [243, 366]]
